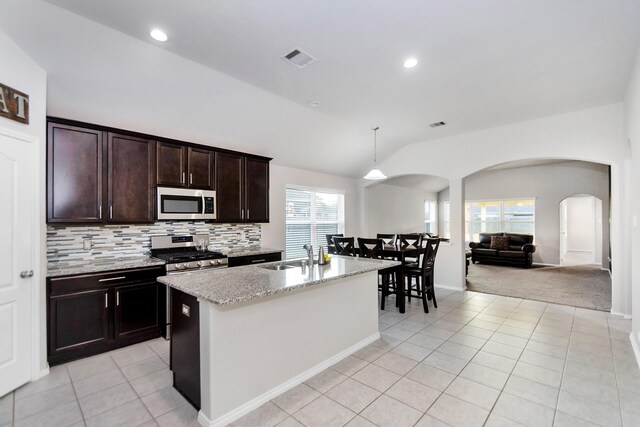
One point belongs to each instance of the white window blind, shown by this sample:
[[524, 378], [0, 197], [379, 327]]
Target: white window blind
[[430, 217], [493, 216], [310, 215]]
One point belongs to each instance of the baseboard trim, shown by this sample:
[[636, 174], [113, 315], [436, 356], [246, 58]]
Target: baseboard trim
[[544, 264], [636, 347], [42, 373], [249, 406], [623, 315], [451, 288]]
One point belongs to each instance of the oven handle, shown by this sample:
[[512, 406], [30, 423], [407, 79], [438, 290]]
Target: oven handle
[[203, 207]]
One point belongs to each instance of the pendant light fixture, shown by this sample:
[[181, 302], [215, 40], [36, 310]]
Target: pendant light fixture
[[375, 173]]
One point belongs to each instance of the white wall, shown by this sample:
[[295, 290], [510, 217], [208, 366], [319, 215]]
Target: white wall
[[23, 74], [581, 223], [393, 209], [594, 135], [549, 185], [273, 233], [632, 230]]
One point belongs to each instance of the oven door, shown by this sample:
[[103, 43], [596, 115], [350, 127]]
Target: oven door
[[178, 203]]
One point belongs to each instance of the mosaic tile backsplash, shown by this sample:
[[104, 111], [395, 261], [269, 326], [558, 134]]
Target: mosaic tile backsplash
[[65, 244]]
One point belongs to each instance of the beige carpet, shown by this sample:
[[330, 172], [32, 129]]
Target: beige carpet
[[578, 286]]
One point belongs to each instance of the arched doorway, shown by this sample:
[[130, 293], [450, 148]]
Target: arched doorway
[[581, 230]]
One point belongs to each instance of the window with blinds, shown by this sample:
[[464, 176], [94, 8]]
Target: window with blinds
[[311, 215]]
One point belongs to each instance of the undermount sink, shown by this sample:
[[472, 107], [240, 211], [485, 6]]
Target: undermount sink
[[277, 267]]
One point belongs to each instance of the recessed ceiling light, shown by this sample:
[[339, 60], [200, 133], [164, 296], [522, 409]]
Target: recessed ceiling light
[[410, 63], [159, 35], [313, 103]]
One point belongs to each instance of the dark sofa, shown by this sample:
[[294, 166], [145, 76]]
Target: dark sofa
[[519, 251]]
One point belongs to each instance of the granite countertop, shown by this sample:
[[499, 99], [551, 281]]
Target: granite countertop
[[253, 251], [228, 286], [93, 266]]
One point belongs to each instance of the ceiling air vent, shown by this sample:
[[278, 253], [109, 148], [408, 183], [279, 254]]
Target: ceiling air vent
[[437, 124], [299, 58]]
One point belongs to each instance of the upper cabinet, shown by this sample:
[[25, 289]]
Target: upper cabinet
[[98, 177], [104, 175], [131, 179], [74, 174], [179, 165], [242, 188]]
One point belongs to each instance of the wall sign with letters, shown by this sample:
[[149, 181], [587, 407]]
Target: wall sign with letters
[[14, 104]]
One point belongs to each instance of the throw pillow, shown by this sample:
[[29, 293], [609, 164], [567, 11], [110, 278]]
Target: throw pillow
[[500, 243]]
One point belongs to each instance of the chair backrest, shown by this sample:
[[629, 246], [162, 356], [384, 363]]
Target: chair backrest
[[344, 245], [388, 239], [370, 248], [429, 258], [414, 239], [330, 237]]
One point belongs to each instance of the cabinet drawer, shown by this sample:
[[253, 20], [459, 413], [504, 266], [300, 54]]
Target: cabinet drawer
[[254, 259], [63, 285]]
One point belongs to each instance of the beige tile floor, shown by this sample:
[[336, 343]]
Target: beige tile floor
[[477, 360]]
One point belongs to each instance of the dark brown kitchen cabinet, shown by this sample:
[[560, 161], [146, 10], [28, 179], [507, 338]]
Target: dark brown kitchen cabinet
[[93, 313], [171, 164], [242, 188], [136, 311], [179, 165], [201, 164], [74, 174], [256, 195], [230, 187], [98, 177], [131, 180]]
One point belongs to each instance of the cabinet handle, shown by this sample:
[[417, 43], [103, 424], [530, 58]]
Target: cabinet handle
[[241, 213], [182, 180], [258, 260], [106, 300], [100, 212], [110, 212], [247, 213], [112, 278], [118, 298], [190, 178]]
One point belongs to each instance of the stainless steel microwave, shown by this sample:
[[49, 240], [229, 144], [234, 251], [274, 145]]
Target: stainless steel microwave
[[182, 203]]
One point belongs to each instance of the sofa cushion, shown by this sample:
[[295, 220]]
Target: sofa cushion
[[485, 238], [513, 247], [512, 254], [517, 239], [500, 242], [481, 251]]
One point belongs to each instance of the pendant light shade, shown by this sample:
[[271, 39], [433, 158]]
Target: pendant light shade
[[375, 173]]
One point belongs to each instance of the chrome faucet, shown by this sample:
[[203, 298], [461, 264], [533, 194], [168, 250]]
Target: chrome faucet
[[309, 249]]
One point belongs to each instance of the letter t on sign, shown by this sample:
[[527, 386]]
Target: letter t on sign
[[14, 104]]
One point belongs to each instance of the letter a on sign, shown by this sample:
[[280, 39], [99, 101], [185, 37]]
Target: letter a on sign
[[14, 104]]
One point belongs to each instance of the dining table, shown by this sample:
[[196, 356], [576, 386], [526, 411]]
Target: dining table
[[401, 252]]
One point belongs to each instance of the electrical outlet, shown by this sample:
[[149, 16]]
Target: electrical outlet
[[87, 244]]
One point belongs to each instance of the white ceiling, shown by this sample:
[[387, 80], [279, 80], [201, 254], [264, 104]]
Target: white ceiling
[[481, 63]]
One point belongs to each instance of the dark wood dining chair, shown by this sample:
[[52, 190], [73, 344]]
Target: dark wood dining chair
[[344, 246], [372, 248], [331, 249], [388, 239], [413, 239], [424, 273]]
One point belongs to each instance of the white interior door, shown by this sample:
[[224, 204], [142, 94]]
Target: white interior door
[[17, 195]]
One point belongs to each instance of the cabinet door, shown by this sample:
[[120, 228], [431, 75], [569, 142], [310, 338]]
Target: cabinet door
[[201, 164], [171, 164], [136, 312], [229, 187], [78, 324], [74, 174], [256, 190], [130, 169]]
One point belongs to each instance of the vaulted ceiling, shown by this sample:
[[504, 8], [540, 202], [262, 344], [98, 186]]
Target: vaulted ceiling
[[480, 64]]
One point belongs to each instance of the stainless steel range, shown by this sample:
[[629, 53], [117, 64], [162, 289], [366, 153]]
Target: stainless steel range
[[184, 254]]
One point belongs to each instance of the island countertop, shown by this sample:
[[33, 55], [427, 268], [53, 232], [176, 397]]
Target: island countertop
[[228, 286]]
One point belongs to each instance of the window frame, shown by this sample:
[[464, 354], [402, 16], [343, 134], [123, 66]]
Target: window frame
[[434, 217], [313, 222], [501, 221]]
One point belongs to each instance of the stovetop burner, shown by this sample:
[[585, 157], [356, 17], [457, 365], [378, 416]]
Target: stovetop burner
[[186, 255]]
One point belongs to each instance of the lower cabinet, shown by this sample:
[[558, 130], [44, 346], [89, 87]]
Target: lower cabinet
[[94, 313], [237, 261]]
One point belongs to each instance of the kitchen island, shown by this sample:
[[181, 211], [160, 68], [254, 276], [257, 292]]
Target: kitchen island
[[263, 330]]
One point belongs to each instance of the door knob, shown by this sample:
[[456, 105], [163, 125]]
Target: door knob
[[26, 274]]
